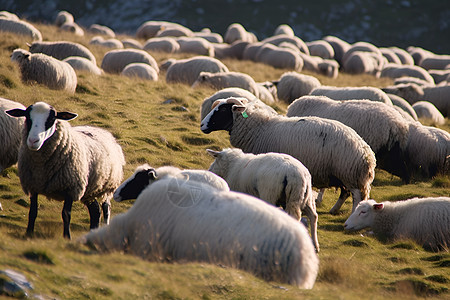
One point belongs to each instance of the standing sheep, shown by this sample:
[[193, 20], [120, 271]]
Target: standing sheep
[[67, 163], [284, 29], [399, 102], [178, 220], [424, 220], [109, 43], [46, 70], [282, 38], [115, 61], [21, 28], [293, 85], [220, 81], [403, 55], [288, 185], [334, 154], [352, 93], [61, 50]]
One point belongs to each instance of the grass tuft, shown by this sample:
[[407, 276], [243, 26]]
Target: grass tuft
[[39, 256]]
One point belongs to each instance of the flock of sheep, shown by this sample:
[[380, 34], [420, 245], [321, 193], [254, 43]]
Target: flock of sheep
[[329, 137]]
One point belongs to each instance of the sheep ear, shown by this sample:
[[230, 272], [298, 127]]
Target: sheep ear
[[238, 108], [378, 206], [65, 115], [213, 153], [16, 112], [29, 45], [152, 174]]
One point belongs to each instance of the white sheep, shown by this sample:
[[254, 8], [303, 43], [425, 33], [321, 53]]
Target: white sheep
[[144, 175], [178, 220], [20, 27], [284, 29], [282, 38], [424, 220], [162, 44], [279, 57], [334, 154], [211, 37], [427, 112], [195, 45], [62, 49], [150, 29], [267, 92], [293, 85], [440, 76], [399, 102], [187, 70], [8, 15], [339, 46], [82, 64], [397, 71], [237, 32], [352, 93], [403, 55], [102, 30], [418, 54], [390, 55], [46, 70], [178, 31], [276, 178], [223, 80], [438, 62], [67, 163], [63, 17], [233, 50], [321, 48], [73, 28], [140, 70], [415, 80], [114, 61], [362, 62], [109, 43], [132, 43]]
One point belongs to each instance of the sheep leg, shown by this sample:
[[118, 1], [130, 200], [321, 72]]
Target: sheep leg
[[320, 197], [344, 195], [356, 195], [66, 214], [32, 214], [94, 214], [106, 208], [313, 217]]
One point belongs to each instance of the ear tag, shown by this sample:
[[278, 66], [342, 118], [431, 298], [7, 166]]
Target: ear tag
[[244, 114]]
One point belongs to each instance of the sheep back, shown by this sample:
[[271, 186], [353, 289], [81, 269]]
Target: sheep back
[[114, 61], [61, 50], [10, 133], [21, 28]]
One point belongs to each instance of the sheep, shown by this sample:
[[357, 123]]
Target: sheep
[[211, 37], [73, 28], [289, 187], [234, 50], [195, 45], [82, 64], [362, 62], [20, 27], [352, 93], [380, 125], [278, 57], [390, 56], [293, 85], [10, 134], [267, 92], [145, 175], [114, 61], [63, 17], [250, 51], [321, 48], [227, 79], [109, 43], [403, 55], [237, 32], [132, 43], [396, 71], [424, 220], [278, 39], [150, 29], [8, 15], [418, 54], [334, 154], [427, 112], [162, 44], [402, 104], [102, 30], [329, 68], [415, 80], [178, 31], [178, 220], [187, 70], [62, 49], [284, 29], [340, 47], [440, 76], [67, 163], [436, 61], [46, 70], [140, 70]]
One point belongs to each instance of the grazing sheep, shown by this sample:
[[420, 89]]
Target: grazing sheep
[[195, 45], [426, 111], [282, 38], [284, 29], [401, 103], [63, 17], [237, 32], [162, 44], [293, 85], [178, 220], [415, 80], [352, 93], [145, 175], [10, 134], [397, 71], [109, 43], [67, 163], [72, 27], [114, 61], [220, 81], [20, 27], [140, 70], [361, 62], [321, 48], [62, 49], [424, 220], [288, 186], [380, 125], [334, 154], [267, 92], [187, 70], [234, 50], [132, 43], [278, 57], [83, 64], [102, 30], [46, 70], [340, 47]]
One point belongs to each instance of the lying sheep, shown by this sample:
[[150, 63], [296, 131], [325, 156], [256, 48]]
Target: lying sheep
[[132, 43], [321, 48], [178, 220], [20, 27], [397, 71], [352, 93], [140, 70], [102, 30], [195, 45], [284, 29], [289, 185], [162, 44], [427, 112], [293, 85], [362, 62], [145, 175], [424, 220], [211, 37], [233, 50], [109, 43], [187, 70], [83, 64], [114, 61], [278, 57], [340, 47], [73, 28], [63, 17], [62, 49], [437, 62], [237, 32], [221, 80], [316, 142], [282, 38], [46, 70], [67, 163]]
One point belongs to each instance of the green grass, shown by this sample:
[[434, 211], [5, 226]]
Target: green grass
[[352, 266]]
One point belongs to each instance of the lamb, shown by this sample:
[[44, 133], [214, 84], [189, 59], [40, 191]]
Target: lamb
[[83, 64], [187, 70], [102, 30], [20, 27], [426, 111], [284, 29], [162, 44], [114, 61], [195, 45], [227, 79], [140, 70], [424, 220], [145, 175], [397, 71], [352, 93], [321, 48], [334, 154], [62, 49], [178, 220], [67, 163], [379, 124], [289, 185], [63, 17], [293, 85], [10, 134], [46, 70], [109, 43]]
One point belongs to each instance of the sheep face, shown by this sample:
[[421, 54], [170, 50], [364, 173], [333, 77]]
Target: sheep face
[[133, 186], [221, 115], [363, 215], [40, 120], [20, 55]]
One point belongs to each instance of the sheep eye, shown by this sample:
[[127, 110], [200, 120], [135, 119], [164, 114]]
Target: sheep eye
[[362, 212]]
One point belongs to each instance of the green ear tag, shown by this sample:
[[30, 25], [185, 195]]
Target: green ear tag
[[244, 114]]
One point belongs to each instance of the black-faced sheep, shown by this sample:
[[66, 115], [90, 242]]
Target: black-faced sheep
[[67, 163]]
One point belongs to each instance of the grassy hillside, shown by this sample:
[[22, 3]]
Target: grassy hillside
[[352, 266]]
